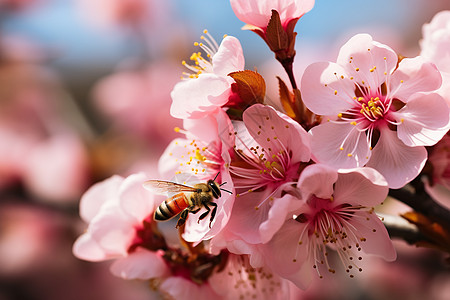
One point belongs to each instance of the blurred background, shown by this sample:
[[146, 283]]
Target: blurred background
[[85, 94]]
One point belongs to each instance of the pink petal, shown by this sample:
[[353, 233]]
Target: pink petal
[[97, 195], [285, 257], [364, 65], [87, 249], [424, 120], [246, 219], [436, 39], [317, 179], [250, 13], [326, 89], [169, 162], [193, 98], [240, 247], [229, 58], [398, 163], [281, 209], [224, 127], [247, 281], [275, 131], [181, 288], [440, 193], [257, 13], [414, 75], [141, 264], [112, 230], [444, 90], [207, 129], [364, 186], [134, 199], [377, 241], [327, 139]]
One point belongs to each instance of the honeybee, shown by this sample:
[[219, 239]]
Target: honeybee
[[189, 199]]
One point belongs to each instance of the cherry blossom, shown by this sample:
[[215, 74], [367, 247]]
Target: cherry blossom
[[435, 47], [267, 159], [208, 88], [120, 216], [198, 160], [257, 13], [381, 115], [336, 213]]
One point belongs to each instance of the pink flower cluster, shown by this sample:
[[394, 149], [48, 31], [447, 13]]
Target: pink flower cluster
[[290, 196]]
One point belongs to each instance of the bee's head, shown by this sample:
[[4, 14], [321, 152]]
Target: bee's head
[[215, 188]]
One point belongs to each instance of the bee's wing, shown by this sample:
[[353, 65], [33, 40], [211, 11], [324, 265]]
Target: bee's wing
[[163, 187]]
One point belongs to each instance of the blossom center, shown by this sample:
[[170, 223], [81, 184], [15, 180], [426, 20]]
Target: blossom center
[[330, 226], [262, 169], [198, 158], [373, 109], [147, 236]]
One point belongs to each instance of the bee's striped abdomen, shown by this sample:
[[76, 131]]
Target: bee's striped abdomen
[[171, 207]]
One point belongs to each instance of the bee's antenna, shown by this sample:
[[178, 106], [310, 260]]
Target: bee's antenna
[[223, 183], [226, 191], [216, 176]]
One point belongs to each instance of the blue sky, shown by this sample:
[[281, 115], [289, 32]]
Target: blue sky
[[57, 24]]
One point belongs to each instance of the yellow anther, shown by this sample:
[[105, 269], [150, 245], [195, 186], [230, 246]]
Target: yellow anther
[[339, 115], [353, 123], [177, 129], [335, 92], [341, 148], [349, 155], [357, 69], [198, 156], [196, 44]]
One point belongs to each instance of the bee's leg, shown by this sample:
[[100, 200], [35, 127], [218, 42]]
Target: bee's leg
[[203, 215], [195, 211], [213, 213], [183, 217]]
